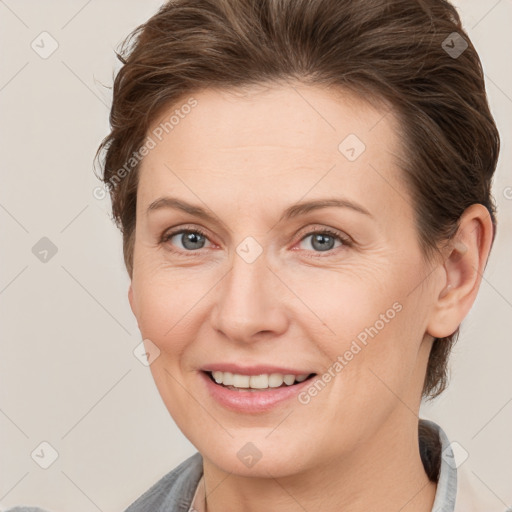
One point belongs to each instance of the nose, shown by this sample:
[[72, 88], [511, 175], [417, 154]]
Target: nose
[[249, 302]]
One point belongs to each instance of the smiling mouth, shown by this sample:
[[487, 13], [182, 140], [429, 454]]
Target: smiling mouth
[[264, 382]]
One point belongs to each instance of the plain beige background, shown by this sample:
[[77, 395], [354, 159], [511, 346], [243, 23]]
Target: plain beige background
[[68, 373]]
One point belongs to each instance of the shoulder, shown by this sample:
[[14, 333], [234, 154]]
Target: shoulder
[[174, 491]]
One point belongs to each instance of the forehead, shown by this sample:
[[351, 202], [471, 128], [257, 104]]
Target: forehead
[[271, 141]]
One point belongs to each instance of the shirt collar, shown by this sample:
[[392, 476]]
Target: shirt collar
[[447, 482]]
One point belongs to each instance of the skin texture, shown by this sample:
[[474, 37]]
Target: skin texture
[[246, 157]]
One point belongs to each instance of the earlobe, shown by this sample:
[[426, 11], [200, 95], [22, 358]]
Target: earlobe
[[465, 259]]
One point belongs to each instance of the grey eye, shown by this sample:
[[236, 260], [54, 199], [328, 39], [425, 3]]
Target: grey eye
[[190, 240], [321, 242]]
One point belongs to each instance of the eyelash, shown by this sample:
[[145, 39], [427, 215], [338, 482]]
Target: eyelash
[[346, 241]]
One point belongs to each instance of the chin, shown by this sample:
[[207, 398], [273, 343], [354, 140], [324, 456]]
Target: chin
[[257, 458]]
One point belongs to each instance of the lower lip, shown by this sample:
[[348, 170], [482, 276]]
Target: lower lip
[[252, 401]]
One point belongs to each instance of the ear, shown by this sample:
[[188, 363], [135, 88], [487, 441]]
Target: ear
[[464, 264]]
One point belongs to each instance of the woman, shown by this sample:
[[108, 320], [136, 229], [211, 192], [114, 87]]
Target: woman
[[303, 188]]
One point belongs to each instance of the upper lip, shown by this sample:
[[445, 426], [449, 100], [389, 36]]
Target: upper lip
[[258, 369]]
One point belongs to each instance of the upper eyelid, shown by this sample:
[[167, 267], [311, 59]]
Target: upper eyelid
[[168, 233]]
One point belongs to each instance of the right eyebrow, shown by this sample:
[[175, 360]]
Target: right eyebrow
[[178, 204]]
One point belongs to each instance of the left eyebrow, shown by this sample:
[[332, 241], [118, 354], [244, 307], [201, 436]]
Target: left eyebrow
[[308, 206]]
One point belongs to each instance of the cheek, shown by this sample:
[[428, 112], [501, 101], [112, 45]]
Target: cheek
[[366, 326], [165, 296], [381, 369], [155, 312], [342, 303], [166, 318]]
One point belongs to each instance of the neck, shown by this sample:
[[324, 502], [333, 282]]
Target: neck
[[385, 473]]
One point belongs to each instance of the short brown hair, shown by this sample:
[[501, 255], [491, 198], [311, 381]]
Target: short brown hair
[[412, 54]]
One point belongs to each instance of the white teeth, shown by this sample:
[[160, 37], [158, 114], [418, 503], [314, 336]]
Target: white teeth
[[264, 381], [227, 379], [289, 379], [240, 381], [275, 380], [258, 381]]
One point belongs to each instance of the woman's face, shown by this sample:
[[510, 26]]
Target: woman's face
[[340, 291]]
